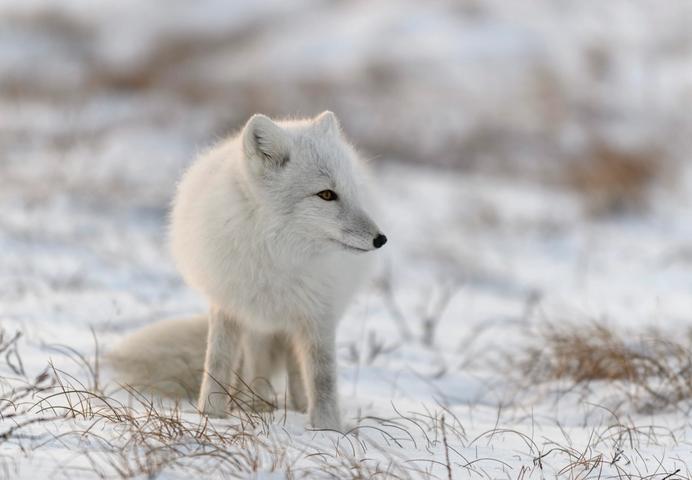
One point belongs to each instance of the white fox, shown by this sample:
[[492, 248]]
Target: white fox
[[271, 226]]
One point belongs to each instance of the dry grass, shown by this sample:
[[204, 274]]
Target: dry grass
[[428, 313], [613, 181], [123, 433], [657, 367], [134, 436]]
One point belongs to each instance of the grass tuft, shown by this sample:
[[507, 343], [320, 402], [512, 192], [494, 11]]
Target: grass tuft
[[614, 181], [658, 368]]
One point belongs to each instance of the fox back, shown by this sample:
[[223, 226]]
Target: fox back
[[272, 225]]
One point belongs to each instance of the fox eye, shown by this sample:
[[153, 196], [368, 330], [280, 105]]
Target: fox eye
[[328, 195]]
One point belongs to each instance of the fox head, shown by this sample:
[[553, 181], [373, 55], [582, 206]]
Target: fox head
[[310, 182]]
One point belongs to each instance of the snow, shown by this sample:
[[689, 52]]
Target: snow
[[88, 169], [72, 267]]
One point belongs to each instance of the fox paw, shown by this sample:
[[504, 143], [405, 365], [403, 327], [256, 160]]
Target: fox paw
[[261, 405], [325, 420], [213, 409]]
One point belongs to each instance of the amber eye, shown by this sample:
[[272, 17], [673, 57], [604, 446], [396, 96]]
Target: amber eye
[[328, 195]]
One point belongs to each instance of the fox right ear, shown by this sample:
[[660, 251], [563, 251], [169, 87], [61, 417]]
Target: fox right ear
[[265, 143], [326, 123]]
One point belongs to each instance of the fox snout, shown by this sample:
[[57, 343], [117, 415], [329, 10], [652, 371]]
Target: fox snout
[[379, 240], [362, 233]]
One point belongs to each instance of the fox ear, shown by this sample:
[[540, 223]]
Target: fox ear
[[326, 123], [265, 142]]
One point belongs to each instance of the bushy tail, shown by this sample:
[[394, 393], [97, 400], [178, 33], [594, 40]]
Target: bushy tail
[[166, 358]]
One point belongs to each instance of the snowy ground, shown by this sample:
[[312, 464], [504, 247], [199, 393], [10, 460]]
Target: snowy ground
[[510, 255], [101, 108]]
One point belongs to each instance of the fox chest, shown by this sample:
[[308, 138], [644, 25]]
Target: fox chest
[[270, 299]]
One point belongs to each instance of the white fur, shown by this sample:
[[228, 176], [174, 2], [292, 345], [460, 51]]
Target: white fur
[[166, 357], [277, 263]]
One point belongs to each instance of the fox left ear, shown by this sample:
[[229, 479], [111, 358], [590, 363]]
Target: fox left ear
[[265, 143], [326, 123]]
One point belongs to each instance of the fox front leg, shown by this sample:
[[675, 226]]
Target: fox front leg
[[255, 390], [296, 383], [316, 350], [222, 359]]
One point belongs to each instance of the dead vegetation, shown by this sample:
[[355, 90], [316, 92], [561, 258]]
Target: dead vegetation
[[654, 370], [126, 434], [614, 181], [429, 311], [123, 433]]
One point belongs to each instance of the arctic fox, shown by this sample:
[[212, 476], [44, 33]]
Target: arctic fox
[[272, 227]]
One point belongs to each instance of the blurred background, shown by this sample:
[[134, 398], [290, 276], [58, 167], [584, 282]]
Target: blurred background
[[96, 98], [526, 151], [533, 158]]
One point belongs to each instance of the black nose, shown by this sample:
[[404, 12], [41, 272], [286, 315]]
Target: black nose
[[379, 240]]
